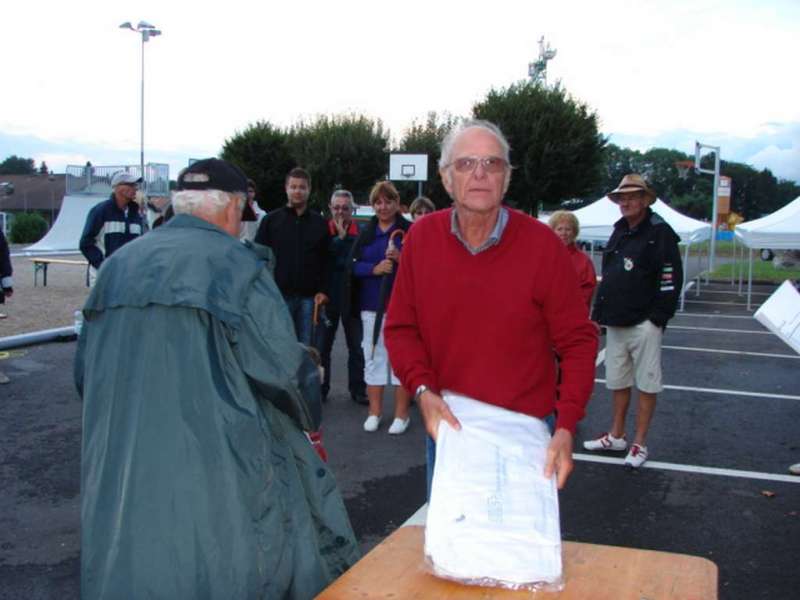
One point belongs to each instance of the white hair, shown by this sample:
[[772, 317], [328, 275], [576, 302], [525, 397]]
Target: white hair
[[449, 142], [204, 201], [452, 137], [343, 194]]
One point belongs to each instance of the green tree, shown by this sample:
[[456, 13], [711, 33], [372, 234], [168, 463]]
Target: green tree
[[16, 165], [340, 151], [556, 148], [262, 152], [426, 138]]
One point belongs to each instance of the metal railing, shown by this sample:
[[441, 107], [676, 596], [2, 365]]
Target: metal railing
[[96, 180]]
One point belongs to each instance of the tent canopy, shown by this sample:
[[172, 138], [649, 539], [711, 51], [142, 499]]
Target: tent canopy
[[779, 230], [597, 222]]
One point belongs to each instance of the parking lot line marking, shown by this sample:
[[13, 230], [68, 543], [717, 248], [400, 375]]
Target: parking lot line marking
[[707, 291], [653, 464], [686, 388], [719, 303], [601, 356], [717, 329], [766, 354], [713, 316]]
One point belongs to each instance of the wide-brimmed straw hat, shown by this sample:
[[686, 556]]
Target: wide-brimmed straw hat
[[633, 182]]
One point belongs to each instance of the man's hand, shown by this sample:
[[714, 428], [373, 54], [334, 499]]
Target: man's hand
[[320, 298], [383, 268], [434, 410], [559, 457]]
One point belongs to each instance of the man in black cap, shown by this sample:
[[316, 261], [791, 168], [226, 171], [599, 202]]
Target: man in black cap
[[113, 223], [197, 480]]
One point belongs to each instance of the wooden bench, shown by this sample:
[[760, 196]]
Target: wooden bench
[[394, 569], [41, 264]]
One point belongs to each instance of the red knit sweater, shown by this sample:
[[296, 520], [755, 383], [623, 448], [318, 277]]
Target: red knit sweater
[[487, 325]]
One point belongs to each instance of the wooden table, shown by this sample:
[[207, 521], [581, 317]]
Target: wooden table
[[41, 264], [394, 569]]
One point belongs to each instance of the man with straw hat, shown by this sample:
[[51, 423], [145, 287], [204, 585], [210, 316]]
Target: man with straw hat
[[638, 295]]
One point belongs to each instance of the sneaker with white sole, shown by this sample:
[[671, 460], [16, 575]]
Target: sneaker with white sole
[[372, 423], [795, 469], [399, 426], [636, 456], [606, 442]]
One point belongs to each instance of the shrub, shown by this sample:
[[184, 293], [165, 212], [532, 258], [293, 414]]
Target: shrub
[[28, 228]]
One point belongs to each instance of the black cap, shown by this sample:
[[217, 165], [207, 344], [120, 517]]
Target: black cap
[[213, 174]]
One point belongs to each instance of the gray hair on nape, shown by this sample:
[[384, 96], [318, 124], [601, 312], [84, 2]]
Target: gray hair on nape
[[452, 137], [191, 202]]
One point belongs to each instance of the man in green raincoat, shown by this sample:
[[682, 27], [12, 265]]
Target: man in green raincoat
[[197, 479]]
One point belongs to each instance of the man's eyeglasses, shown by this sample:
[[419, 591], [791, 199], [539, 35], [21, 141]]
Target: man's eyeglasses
[[341, 208], [490, 164]]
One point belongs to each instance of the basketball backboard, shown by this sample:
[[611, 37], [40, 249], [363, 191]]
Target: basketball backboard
[[408, 167]]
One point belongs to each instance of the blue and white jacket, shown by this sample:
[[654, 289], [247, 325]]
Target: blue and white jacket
[[108, 228]]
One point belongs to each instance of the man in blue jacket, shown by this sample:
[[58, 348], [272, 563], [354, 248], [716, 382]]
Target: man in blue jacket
[[113, 223]]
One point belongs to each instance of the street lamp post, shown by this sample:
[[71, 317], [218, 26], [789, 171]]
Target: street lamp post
[[715, 172], [146, 31]]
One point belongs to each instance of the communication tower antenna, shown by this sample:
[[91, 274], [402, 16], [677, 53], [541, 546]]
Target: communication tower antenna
[[537, 70]]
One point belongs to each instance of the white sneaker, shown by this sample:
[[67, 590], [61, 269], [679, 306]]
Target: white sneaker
[[606, 442], [372, 423], [4, 378], [795, 469], [636, 456], [399, 426]]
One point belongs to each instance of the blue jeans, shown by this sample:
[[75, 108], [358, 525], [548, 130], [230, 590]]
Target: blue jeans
[[430, 451], [300, 309], [355, 356]]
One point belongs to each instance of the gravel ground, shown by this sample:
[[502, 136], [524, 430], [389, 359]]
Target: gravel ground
[[33, 308]]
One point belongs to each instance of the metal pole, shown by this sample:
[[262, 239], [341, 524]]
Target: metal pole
[[749, 277], [714, 211], [141, 130]]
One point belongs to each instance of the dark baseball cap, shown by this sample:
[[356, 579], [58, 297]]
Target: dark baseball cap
[[213, 174]]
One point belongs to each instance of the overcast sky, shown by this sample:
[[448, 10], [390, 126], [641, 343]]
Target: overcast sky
[[658, 72]]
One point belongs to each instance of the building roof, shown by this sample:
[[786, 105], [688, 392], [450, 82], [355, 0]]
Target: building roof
[[33, 192]]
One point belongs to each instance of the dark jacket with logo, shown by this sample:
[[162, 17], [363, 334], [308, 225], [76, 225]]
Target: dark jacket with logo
[[300, 245], [108, 228], [642, 274]]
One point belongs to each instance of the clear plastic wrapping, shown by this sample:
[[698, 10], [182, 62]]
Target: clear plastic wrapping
[[493, 517]]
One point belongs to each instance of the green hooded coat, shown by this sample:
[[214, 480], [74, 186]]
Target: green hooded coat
[[197, 480]]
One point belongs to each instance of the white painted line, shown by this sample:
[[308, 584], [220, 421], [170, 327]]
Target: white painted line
[[685, 388], [717, 350], [713, 316], [601, 356], [653, 464], [719, 303], [708, 291], [717, 329]]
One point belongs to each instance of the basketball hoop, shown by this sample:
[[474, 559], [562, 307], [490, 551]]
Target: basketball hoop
[[684, 167]]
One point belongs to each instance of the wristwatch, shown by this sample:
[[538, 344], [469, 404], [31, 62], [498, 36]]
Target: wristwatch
[[420, 390]]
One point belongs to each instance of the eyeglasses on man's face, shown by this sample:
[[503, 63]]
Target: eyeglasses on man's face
[[342, 208], [490, 164]]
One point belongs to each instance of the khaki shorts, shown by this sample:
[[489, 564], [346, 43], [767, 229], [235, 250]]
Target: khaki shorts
[[633, 355]]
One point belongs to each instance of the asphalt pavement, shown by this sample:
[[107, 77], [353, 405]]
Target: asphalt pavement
[[716, 486]]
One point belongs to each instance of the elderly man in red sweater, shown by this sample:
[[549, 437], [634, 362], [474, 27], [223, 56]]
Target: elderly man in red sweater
[[484, 296]]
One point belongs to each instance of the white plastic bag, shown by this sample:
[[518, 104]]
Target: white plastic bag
[[493, 516]]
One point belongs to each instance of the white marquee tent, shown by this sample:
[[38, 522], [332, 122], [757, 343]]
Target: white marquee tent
[[597, 222], [777, 231]]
